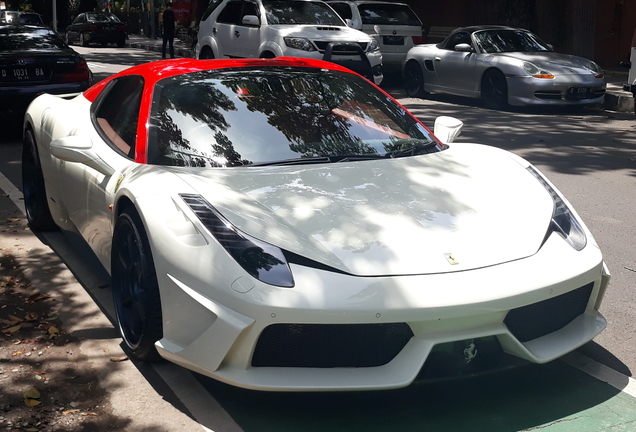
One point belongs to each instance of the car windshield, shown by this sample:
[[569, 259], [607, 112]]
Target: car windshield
[[388, 14], [300, 12], [99, 17], [498, 41], [25, 38], [278, 116]]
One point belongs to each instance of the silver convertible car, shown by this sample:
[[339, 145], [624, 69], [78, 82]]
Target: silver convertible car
[[502, 65]]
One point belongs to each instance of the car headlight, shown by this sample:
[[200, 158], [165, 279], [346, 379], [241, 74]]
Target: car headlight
[[596, 69], [373, 45], [303, 44], [262, 260], [536, 72], [563, 221]]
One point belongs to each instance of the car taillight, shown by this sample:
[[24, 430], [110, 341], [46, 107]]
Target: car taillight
[[91, 28], [121, 28], [417, 40], [80, 72]]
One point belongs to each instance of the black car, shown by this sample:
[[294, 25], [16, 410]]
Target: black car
[[36, 60], [96, 27], [21, 17]]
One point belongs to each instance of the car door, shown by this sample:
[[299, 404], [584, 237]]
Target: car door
[[72, 32], [225, 27], [248, 37], [88, 193], [456, 69]]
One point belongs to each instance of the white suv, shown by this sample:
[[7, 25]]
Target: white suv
[[290, 28], [395, 25]]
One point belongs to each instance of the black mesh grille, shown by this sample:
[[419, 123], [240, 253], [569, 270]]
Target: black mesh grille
[[539, 319], [339, 49], [330, 345]]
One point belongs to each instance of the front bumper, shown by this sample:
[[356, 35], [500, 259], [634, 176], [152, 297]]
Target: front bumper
[[217, 331], [523, 90], [375, 60]]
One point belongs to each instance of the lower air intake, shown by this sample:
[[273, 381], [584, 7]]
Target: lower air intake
[[330, 345], [542, 318]]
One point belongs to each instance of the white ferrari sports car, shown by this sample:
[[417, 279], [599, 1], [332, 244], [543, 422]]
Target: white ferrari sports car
[[502, 65], [286, 225]]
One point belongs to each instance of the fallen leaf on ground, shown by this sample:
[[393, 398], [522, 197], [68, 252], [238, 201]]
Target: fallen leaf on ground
[[89, 414], [32, 393], [12, 329], [37, 296], [32, 402], [53, 330], [15, 318], [18, 352], [119, 359], [70, 411]]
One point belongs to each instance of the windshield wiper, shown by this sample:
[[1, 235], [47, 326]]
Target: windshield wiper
[[297, 161], [415, 150]]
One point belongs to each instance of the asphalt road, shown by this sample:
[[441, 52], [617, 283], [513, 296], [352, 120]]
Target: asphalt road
[[591, 156]]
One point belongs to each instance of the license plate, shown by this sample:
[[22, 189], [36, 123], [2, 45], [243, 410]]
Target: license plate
[[22, 74], [579, 92], [393, 40]]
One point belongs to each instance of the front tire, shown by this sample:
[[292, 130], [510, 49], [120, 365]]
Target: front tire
[[414, 80], [135, 288], [206, 53], [69, 41], [494, 90], [82, 40], [35, 200]]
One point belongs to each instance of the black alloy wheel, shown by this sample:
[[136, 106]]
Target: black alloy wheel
[[82, 40], [35, 199], [414, 80], [135, 288], [494, 90], [206, 54], [68, 40]]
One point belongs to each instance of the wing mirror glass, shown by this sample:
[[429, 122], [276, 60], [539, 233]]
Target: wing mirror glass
[[79, 150], [446, 129], [463, 47], [251, 20]]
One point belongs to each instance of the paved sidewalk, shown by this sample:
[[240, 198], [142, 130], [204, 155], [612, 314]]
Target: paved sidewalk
[[616, 98]]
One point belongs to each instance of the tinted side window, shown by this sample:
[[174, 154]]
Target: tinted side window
[[231, 14], [211, 8], [117, 113], [342, 9], [249, 8], [458, 38]]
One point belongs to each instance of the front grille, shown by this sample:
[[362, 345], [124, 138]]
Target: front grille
[[339, 49], [330, 345], [539, 319], [548, 94]]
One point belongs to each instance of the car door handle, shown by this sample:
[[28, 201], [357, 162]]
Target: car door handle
[[237, 33], [213, 29], [438, 59]]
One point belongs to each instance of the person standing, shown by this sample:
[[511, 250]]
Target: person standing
[[168, 31]]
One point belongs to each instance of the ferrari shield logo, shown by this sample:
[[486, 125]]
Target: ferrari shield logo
[[451, 258]]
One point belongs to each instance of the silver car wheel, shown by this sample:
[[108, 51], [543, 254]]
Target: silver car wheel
[[494, 89], [414, 80]]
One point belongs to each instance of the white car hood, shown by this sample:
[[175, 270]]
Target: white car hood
[[562, 64], [467, 207], [319, 32]]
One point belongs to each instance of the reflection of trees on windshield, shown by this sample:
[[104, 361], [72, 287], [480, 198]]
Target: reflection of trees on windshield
[[509, 41], [224, 118], [299, 12], [202, 103], [300, 106]]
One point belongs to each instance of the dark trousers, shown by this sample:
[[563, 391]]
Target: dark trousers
[[167, 37]]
